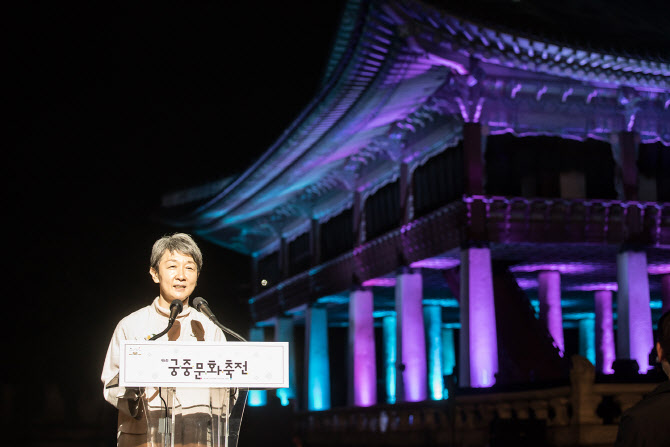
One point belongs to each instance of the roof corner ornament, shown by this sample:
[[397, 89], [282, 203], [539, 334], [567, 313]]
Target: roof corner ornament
[[471, 110], [471, 102]]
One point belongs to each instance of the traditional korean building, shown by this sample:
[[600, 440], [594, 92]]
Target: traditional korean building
[[462, 206]]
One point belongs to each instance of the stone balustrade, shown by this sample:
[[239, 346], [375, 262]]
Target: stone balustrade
[[581, 413]]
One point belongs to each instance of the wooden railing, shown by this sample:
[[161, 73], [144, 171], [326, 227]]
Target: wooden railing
[[527, 219], [474, 218]]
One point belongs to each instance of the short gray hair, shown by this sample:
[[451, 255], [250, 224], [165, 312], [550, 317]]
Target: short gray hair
[[181, 242]]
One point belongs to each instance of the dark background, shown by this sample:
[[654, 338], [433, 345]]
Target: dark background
[[112, 105]]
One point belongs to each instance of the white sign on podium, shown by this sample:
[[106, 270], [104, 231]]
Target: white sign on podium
[[204, 364]]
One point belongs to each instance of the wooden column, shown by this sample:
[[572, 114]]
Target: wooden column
[[406, 194], [315, 242], [473, 158]]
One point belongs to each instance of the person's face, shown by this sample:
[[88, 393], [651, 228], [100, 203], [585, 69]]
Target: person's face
[[177, 276]]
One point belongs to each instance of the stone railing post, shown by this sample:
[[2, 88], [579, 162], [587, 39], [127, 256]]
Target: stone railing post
[[584, 400]]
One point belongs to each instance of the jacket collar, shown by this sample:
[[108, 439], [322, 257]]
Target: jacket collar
[[166, 312]]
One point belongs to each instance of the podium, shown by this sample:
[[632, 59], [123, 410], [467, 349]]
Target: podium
[[193, 394]]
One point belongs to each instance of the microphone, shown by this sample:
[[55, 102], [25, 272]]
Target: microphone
[[175, 309], [201, 306], [176, 306]]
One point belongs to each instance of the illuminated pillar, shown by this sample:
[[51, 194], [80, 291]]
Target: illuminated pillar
[[257, 398], [411, 340], [432, 316], [448, 355], [284, 332], [587, 339], [665, 293], [478, 359], [390, 358], [605, 353], [448, 352], [363, 383], [634, 334], [317, 360], [551, 314]]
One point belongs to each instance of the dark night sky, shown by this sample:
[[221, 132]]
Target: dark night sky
[[112, 105]]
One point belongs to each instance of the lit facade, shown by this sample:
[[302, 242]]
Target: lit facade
[[515, 183]]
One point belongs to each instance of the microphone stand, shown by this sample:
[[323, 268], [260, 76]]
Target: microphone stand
[[228, 331], [236, 405], [175, 309]]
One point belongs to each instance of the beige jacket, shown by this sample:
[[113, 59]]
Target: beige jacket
[[142, 325]]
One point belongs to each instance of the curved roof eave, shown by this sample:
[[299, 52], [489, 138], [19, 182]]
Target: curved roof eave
[[335, 99], [258, 174]]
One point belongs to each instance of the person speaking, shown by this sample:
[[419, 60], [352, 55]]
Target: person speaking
[[175, 266]]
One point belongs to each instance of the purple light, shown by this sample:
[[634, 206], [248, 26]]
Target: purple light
[[458, 68], [592, 95], [526, 283], [634, 335], [549, 293], [631, 122], [463, 109], [567, 93], [380, 282], [478, 110], [658, 269], [436, 263], [479, 348], [566, 268], [362, 343], [412, 352], [605, 351], [596, 286]]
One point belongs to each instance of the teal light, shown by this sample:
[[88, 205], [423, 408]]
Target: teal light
[[257, 398], [442, 302], [433, 323], [318, 373], [448, 355], [334, 299], [587, 339], [282, 394], [536, 306], [316, 401], [389, 323], [284, 332]]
